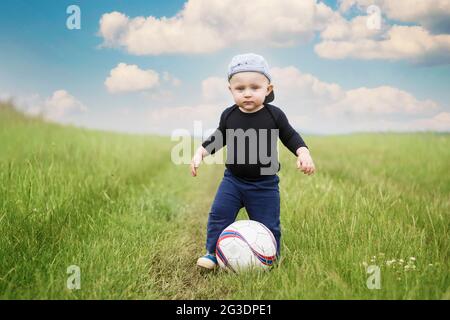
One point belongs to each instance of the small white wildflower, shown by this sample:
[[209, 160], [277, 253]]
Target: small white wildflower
[[412, 259], [365, 264], [401, 261]]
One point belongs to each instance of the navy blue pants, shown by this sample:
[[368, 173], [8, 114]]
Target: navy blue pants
[[260, 198]]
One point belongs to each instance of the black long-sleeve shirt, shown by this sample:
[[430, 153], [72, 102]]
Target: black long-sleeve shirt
[[251, 140]]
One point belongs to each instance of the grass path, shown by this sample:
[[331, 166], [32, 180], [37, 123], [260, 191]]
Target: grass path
[[117, 207]]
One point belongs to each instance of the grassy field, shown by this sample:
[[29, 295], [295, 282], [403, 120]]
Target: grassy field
[[134, 222]]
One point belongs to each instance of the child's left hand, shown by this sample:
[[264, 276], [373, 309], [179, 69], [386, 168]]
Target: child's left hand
[[305, 162]]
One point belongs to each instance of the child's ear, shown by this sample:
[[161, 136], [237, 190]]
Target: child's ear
[[229, 88], [269, 88]]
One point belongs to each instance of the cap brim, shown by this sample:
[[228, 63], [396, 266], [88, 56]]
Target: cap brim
[[270, 97]]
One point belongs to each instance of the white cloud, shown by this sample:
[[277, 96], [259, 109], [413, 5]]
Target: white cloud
[[32, 104], [413, 43], [60, 104], [128, 78], [302, 92], [440, 122], [351, 30], [434, 15], [57, 107], [167, 77], [167, 119], [291, 84], [313, 105], [382, 100], [112, 27], [161, 96], [205, 26], [215, 89], [425, 43]]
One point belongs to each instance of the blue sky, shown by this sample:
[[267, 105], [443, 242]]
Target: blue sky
[[40, 56]]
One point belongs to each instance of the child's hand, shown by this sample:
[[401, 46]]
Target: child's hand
[[304, 161], [197, 159]]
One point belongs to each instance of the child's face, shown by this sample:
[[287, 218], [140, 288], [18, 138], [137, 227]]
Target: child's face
[[249, 89]]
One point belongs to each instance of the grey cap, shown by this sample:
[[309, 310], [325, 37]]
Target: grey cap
[[250, 62]]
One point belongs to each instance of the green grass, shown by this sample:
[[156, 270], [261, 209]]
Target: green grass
[[134, 222]]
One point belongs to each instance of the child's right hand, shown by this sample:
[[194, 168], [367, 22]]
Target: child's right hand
[[197, 159]]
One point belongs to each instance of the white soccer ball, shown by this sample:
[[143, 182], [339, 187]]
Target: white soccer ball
[[246, 244]]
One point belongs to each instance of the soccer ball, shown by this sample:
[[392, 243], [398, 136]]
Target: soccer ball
[[246, 244]]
